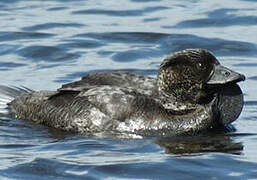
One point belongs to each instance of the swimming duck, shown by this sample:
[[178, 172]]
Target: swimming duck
[[191, 94]]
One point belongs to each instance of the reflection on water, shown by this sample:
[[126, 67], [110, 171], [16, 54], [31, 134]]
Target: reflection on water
[[200, 144], [46, 43]]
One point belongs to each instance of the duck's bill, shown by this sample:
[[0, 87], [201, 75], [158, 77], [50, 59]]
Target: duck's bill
[[223, 75]]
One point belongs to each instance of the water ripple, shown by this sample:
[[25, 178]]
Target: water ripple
[[46, 53], [81, 43], [7, 48], [253, 77], [220, 47], [120, 13], [127, 37], [4, 66], [250, 103], [144, 1], [169, 43], [246, 64], [218, 18], [151, 19], [52, 25], [57, 8], [183, 168], [250, 0], [12, 36], [133, 55]]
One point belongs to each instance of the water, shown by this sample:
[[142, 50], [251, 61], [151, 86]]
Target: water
[[44, 44]]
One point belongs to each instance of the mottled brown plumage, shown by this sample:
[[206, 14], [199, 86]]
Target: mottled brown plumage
[[179, 101]]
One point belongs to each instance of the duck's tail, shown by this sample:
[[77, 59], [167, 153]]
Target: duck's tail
[[7, 94]]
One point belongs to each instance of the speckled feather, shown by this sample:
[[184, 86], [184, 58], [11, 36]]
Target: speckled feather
[[107, 108], [124, 102]]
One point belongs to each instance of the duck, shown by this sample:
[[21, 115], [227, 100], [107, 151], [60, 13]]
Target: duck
[[192, 93]]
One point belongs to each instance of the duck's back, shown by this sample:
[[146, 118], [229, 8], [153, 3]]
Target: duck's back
[[89, 111], [97, 102], [145, 85]]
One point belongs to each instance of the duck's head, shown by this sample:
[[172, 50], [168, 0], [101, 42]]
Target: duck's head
[[186, 79]]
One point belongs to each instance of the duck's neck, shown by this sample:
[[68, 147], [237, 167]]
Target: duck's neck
[[174, 104], [189, 118], [177, 95]]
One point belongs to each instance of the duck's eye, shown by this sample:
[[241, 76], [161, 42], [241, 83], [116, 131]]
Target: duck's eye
[[199, 66]]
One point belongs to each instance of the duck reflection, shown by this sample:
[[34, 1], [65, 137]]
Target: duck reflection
[[208, 142]]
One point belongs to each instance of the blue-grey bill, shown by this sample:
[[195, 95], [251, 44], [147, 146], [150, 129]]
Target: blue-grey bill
[[223, 75]]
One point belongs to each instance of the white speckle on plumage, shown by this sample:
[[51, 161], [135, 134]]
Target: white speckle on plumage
[[125, 102]]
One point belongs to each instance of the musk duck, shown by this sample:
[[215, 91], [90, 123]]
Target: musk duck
[[192, 93]]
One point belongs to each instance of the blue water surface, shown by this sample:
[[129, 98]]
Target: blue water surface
[[46, 43]]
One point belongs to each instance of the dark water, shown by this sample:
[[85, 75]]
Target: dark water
[[46, 43]]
